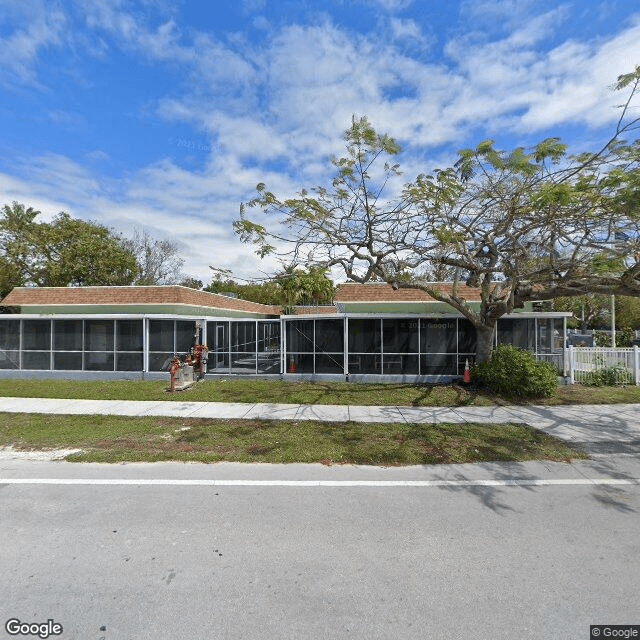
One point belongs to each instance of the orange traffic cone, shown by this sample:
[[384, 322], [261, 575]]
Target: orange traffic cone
[[467, 373]]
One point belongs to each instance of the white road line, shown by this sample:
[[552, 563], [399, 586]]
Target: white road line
[[516, 482]]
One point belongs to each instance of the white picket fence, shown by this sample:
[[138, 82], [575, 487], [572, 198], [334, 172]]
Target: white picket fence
[[621, 365]]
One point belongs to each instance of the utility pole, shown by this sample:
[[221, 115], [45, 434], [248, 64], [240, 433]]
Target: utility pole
[[613, 322]]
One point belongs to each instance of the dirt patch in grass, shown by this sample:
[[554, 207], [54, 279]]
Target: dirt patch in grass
[[149, 438]]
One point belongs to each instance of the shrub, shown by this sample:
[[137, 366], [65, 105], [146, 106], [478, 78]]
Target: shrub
[[516, 373], [602, 338], [623, 337], [608, 376]]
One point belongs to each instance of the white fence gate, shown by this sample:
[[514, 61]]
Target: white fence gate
[[620, 366]]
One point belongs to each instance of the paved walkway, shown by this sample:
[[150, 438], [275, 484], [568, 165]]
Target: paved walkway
[[604, 428]]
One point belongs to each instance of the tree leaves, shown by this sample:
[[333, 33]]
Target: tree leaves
[[63, 252], [626, 79], [550, 148]]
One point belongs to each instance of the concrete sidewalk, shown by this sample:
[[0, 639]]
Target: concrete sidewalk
[[606, 428]]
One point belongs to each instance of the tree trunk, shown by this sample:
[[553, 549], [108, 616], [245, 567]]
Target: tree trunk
[[485, 342]]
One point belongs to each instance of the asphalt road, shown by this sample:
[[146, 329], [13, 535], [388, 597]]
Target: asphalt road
[[465, 554]]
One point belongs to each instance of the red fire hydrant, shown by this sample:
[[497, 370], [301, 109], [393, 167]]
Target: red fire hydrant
[[175, 367], [197, 359]]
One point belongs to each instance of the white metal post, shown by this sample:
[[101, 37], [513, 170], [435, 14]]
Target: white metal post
[[636, 364], [564, 346], [203, 340], [145, 345], [51, 346], [572, 363], [345, 339], [283, 345], [84, 333], [20, 342], [613, 322]]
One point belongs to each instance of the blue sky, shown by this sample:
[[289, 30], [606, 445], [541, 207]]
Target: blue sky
[[165, 115]]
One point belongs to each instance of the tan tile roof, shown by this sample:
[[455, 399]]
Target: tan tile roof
[[173, 294], [320, 309], [383, 292]]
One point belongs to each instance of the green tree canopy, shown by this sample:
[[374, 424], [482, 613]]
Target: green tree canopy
[[305, 286], [594, 311], [63, 252], [291, 286]]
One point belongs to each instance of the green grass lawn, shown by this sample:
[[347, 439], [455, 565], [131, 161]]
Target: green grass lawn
[[154, 438], [281, 391]]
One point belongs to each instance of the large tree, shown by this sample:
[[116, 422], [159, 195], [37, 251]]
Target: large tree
[[520, 225], [63, 252], [159, 261]]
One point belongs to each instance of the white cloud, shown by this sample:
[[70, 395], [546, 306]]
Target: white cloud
[[394, 5], [496, 12], [319, 76], [97, 155], [56, 173], [14, 189], [19, 51], [217, 68], [251, 7], [207, 60], [513, 82], [203, 233], [309, 80], [70, 120], [405, 29], [273, 111], [261, 22]]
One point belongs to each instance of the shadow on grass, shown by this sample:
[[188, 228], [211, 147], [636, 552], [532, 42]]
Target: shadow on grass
[[249, 390], [459, 395]]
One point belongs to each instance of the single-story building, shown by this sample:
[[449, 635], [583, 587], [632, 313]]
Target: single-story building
[[371, 332]]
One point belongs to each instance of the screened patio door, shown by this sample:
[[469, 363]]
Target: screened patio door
[[220, 350]]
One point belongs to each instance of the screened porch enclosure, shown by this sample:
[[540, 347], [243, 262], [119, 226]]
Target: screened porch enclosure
[[546, 337], [315, 346], [71, 345], [347, 345], [168, 338], [244, 347], [408, 346], [379, 346]]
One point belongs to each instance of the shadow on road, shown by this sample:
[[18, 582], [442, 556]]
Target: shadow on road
[[615, 497]]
